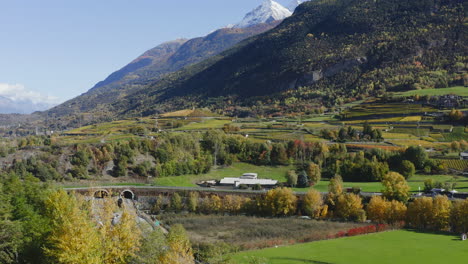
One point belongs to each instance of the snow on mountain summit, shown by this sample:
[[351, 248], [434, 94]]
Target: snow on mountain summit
[[268, 11]]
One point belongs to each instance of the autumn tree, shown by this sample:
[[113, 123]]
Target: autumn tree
[[176, 202], [312, 203], [349, 207], [152, 248], [314, 173], [211, 204], [455, 115], [420, 212], [179, 249], [441, 212], [382, 211], [335, 189], [455, 146], [396, 212], [74, 239], [377, 209], [459, 216], [118, 231], [291, 177], [395, 187], [158, 205], [280, 202], [192, 201], [233, 204]]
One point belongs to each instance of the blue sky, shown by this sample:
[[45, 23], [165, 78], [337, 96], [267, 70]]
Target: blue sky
[[54, 50]]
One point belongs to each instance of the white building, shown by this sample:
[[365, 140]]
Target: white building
[[464, 155], [248, 179], [249, 175]]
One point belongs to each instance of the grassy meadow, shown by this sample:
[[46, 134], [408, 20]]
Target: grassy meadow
[[236, 170], [458, 90], [388, 247], [414, 182], [279, 172], [249, 232]]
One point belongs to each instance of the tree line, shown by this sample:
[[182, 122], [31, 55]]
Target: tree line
[[42, 224]]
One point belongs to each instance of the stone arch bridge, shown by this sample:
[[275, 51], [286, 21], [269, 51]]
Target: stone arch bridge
[[146, 192]]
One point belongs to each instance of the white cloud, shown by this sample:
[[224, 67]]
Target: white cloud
[[18, 93]]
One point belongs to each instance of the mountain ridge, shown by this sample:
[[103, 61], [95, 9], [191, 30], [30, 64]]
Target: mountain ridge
[[142, 71], [267, 12], [331, 50]]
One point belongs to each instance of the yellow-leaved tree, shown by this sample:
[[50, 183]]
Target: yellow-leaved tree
[[74, 238], [441, 212], [120, 236], [312, 203], [396, 212], [233, 204], [335, 189], [280, 202], [179, 249], [382, 211], [459, 216], [349, 207], [420, 213], [377, 209], [395, 187]]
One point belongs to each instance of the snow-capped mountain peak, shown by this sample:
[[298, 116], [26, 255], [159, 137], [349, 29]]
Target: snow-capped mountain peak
[[268, 11], [295, 3]]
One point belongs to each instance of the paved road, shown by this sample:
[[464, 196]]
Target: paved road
[[366, 194]]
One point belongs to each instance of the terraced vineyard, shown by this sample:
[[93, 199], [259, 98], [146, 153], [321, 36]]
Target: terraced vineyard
[[380, 110], [460, 165]]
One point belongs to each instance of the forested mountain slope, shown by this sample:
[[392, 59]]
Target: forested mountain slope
[[330, 51]]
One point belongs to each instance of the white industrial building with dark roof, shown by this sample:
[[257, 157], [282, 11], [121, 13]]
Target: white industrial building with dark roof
[[464, 155], [248, 179]]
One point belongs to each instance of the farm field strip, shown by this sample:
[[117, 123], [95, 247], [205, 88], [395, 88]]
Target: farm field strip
[[279, 173], [458, 90]]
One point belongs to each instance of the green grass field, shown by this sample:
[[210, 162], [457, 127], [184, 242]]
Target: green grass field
[[457, 134], [236, 170], [389, 247], [414, 182], [458, 90], [279, 172]]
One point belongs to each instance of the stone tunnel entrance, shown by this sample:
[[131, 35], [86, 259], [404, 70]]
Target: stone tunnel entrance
[[127, 194], [101, 194]]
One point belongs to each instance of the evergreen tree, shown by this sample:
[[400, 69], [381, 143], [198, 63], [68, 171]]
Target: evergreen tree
[[303, 180]]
